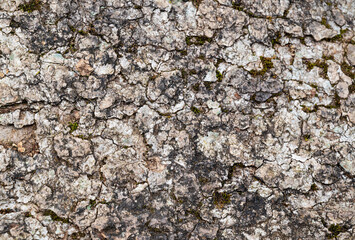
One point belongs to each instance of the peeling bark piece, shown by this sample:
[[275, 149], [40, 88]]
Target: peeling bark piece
[[24, 139], [351, 54], [320, 31], [154, 164], [69, 146], [84, 67], [6, 95]]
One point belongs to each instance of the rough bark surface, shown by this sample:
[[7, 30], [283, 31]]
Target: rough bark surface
[[158, 119]]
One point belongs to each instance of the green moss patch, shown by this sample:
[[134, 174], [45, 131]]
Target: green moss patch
[[307, 137], [31, 6], [184, 74], [314, 187], [28, 214], [208, 85], [197, 40], [352, 87], [335, 230], [318, 63], [267, 64], [73, 126], [94, 203], [276, 39], [325, 23], [308, 109], [54, 216], [183, 52], [221, 199], [194, 212], [237, 5], [196, 3], [325, 57], [6, 211], [335, 103], [348, 70], [195, 110], [77, 235], [196, 87], [219, 76], [338, 37]]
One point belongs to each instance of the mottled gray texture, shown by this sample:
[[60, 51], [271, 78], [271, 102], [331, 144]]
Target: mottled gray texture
[[157, 119]]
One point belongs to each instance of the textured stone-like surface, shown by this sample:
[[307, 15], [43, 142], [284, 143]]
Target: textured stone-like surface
[[157, 119]]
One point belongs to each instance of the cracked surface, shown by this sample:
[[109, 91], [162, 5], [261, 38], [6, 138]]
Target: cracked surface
[[157, 119]]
